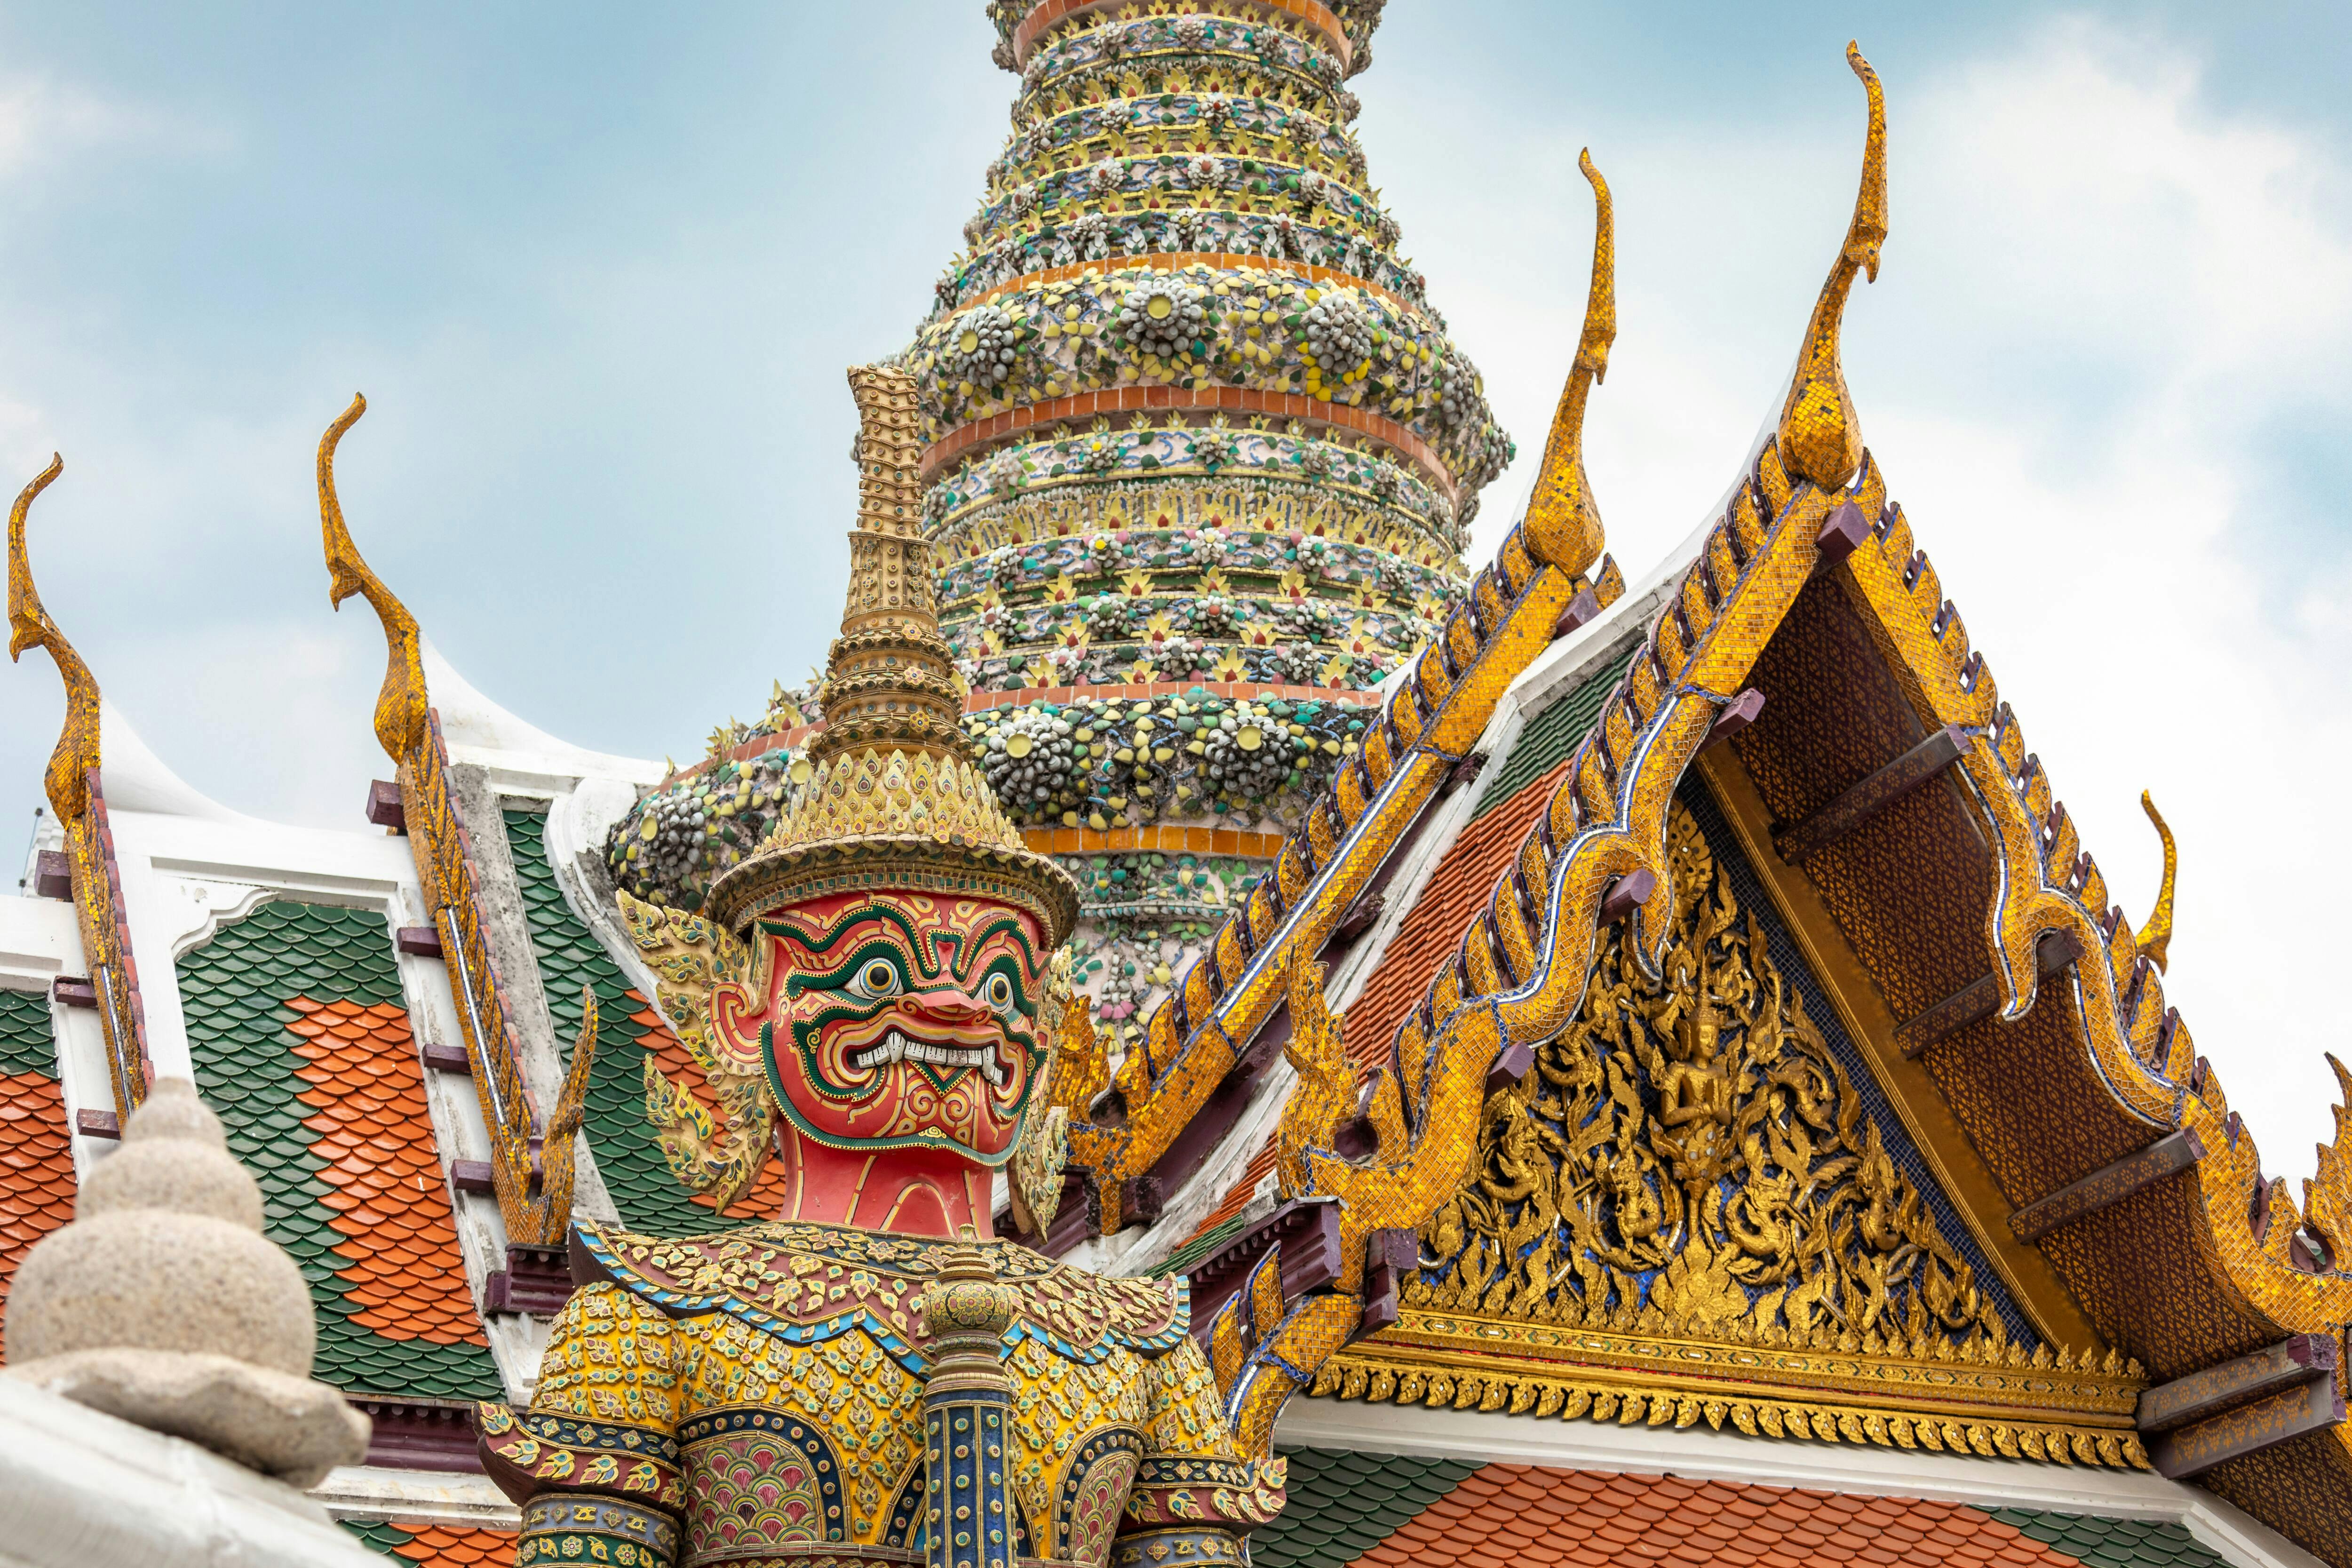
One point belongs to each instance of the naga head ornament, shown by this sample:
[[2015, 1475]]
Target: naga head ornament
[[876, 971]]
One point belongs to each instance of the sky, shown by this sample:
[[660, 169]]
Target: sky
[[599, 270]]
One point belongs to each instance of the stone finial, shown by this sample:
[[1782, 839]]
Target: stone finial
[[164, 1304]]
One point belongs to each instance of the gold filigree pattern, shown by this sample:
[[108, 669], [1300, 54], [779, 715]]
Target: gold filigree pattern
[[611, 1357], [1689, 1151], [825, 1325], [690, 958], [848, 1388], [818, 1276], [1077, 1069], [1055, 1405]]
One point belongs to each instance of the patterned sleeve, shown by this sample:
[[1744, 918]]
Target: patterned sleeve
[[595, 1461], [1195, 1494]]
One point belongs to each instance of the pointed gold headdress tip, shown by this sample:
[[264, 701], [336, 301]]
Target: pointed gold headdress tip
[[893, 799]]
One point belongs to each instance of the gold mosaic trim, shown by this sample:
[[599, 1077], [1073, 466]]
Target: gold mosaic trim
[[2004, 1408]]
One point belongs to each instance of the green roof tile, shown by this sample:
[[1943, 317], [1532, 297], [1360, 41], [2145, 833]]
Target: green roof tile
[[376, 1533], [1201, 1247], [1551, 736], [1342, 1504], [26, 1045], [2112, 1542], [629, 1156], [234, 992]]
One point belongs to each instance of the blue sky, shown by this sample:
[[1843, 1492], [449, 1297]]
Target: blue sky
[[599, 270]]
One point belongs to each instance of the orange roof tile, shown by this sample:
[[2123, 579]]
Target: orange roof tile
[[37, 1174], [1519, 1516], [455, 1548], [371, 1126]]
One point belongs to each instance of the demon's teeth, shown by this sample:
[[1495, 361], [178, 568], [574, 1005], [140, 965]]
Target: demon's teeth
[[897, 1047]]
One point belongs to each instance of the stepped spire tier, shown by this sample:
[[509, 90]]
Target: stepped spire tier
[[1200, 457]]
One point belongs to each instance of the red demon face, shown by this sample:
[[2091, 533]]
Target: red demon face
[[899, 1020]]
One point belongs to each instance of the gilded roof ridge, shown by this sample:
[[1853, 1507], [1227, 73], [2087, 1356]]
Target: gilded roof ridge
[[76, 794], [1432, 718]]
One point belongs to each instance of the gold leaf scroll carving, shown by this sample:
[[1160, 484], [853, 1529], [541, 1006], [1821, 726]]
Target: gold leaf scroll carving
[[1689, 1154], [691, 957]]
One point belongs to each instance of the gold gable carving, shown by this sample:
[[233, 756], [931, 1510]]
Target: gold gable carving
[[1682, 1213], [1697, 1132]]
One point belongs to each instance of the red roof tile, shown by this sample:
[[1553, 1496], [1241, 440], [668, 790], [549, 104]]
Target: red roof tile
[[1431, 930], [455, 1548]]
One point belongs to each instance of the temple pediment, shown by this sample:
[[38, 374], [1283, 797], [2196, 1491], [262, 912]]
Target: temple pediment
[[1700, 1193]]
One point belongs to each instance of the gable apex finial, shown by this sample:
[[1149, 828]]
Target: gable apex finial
[[400, 702], [29, 626], [1819, 436], [1563, 523]]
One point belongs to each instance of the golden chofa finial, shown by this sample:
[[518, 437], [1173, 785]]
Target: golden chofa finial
[[29, 627], [2155, 937], [1820, 439], [1563, 526], [400, 704]]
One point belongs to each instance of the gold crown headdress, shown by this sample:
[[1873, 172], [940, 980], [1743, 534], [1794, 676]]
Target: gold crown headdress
[[893, 799]]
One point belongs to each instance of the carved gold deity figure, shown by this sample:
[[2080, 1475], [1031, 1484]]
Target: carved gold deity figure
[[868, 1375]]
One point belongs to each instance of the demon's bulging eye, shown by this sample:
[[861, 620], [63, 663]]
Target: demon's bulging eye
[[998, 994], [876, 978]]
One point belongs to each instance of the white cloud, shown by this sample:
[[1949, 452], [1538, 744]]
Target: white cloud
[[42, 120], [271, 718]]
